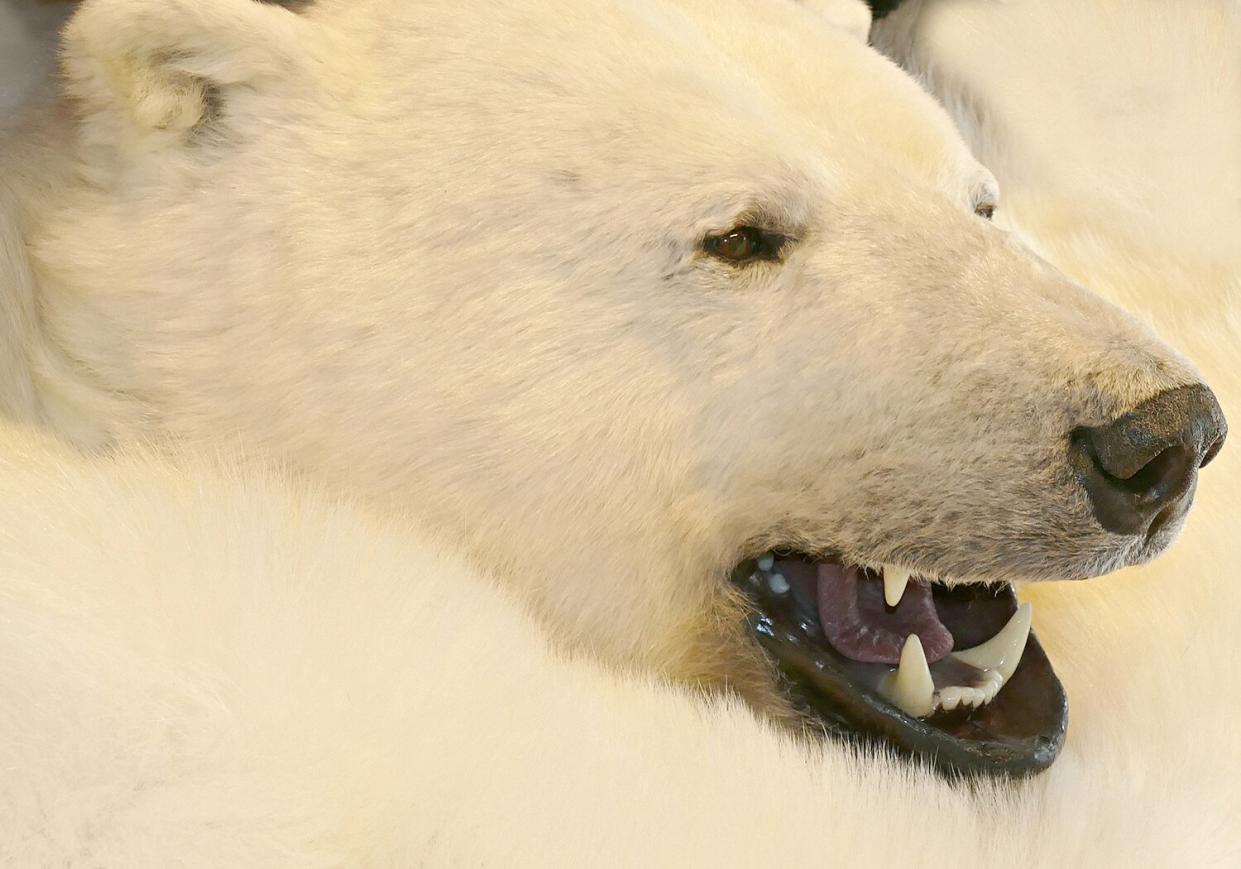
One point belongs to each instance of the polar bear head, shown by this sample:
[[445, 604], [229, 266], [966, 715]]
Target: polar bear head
[[616, 297]]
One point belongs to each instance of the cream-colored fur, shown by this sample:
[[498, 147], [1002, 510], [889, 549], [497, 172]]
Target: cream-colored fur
[[201, 669], [456, 270], [1114, 132], [283, 680]]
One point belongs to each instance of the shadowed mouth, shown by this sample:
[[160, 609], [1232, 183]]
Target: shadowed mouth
[[952, 675]]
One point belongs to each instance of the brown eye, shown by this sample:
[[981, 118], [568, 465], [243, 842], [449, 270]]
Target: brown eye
[[744, 244], [985, 210]]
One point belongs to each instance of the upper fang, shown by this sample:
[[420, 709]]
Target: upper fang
[[894, 581]]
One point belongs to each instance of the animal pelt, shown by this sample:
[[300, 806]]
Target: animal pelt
[[205, 663]]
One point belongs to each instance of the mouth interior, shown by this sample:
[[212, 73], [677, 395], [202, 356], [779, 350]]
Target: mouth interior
[[975, 695], [855, 617]]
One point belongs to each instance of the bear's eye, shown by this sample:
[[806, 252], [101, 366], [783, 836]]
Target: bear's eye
[[743, 244], [985, 210]]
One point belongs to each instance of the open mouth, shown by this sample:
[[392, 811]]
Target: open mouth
[[949, 674]]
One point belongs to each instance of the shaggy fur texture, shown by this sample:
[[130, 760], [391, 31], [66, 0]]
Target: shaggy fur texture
[[1124, 168], [228, 670], [463, 277], [203, 670]]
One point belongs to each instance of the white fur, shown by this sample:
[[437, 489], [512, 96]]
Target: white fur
[[245, 214], [207, 670], [1134, 188], [231, 671], [851, 16]]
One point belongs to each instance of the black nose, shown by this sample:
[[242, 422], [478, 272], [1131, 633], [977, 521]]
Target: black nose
[[1140, 470]]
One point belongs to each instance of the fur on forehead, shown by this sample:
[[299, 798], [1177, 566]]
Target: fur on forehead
[[843, 92], [161, 77], [292, 5]]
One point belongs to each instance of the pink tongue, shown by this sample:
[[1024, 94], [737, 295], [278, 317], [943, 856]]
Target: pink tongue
[[859, 625]]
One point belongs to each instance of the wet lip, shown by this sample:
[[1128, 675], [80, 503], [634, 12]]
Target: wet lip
[[1019, 732]]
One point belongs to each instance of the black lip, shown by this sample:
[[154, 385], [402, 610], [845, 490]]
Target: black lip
[[1019, 733]]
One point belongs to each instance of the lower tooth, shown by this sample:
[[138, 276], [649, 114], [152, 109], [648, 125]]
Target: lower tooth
[[777, 583], [910, 688]]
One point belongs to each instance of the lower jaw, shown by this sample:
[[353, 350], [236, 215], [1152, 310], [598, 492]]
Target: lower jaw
[[1018, 733]]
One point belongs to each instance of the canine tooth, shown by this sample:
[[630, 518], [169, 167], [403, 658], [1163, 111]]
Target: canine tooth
[[778, 583], [766, 562], [1001, 653], [894, 581], [910, 688]]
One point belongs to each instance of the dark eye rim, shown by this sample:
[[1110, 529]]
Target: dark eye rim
[[765, 245], [985, 210]]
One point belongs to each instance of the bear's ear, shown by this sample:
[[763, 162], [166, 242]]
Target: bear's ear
[[152, 70]]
